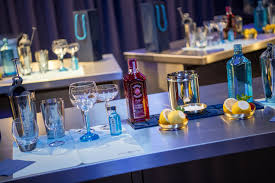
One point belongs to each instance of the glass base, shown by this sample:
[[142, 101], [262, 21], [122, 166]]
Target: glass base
[[63, 69], [56, 143], [89, 137]]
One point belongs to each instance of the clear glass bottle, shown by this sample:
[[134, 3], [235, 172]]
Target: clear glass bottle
[[260, 17], [135, 93], [239, 74], [114, 121], [267, 61]]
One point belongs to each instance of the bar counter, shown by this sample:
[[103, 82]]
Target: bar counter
[[203, 138], [104, 70]]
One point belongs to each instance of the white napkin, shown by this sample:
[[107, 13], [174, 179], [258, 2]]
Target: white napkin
[[47, 158], [107, 147]]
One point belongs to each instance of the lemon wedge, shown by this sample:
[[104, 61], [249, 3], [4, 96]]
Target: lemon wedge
[[175, 117], [227, 105], [241, 107], [163, 117]]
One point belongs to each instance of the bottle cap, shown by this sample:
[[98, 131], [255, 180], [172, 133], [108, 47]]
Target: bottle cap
[[111, 108], [132, 63], [228, 9], [237, 47]]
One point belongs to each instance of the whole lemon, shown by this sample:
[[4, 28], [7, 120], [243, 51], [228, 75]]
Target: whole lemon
[[175, 117]]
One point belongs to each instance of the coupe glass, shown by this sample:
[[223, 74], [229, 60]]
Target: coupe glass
[[72, 49], [106, 93], [60, 47], [83, 128], [84, 95]]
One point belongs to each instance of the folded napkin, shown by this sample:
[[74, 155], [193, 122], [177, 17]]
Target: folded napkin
[[8, 166]]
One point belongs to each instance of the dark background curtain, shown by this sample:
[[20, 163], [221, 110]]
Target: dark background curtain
[[119, 20]]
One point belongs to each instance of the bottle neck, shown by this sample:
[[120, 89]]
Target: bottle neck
[[260, 4], [133, 68]]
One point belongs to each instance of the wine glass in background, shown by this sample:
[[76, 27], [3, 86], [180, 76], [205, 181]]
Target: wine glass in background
[[84, 94], [59, 47], [106, 93], [72, 49]]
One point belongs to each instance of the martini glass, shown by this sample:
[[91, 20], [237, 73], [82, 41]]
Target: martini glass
[[72, 49], [84, 94], [106, 93], [60, 47]]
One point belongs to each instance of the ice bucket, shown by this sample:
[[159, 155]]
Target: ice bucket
[[183, 88]]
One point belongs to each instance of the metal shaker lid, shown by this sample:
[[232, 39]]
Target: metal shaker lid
[[182, 75]]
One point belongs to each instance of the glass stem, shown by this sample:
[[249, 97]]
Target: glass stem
[[62, 63], [106, 105], [83, 119], [87, 121]]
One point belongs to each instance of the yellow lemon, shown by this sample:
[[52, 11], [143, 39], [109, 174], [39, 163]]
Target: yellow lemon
[[163, 117], [175, 117], [227, 105], [241, 107]]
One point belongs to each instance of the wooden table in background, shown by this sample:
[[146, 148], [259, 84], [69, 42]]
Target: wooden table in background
[[156, 66]]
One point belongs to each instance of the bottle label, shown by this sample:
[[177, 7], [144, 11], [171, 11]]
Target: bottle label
[[137, 89], [113, 127]]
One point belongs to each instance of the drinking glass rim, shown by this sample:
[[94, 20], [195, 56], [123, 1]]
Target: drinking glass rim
[[82, 84], [26, 93], [105, 86], [52, 100]]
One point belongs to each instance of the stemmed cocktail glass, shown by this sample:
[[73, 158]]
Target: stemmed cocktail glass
[[106, 93], [84, 94], [59, 47], [72, 49]]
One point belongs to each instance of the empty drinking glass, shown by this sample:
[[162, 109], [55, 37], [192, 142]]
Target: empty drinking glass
[[24, 127], [53, 115], [201, 40], [84, 93], [59, 47], [106, 93], [25, 135], [41, 57]]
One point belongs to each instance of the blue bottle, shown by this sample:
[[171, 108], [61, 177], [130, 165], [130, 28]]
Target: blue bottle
[[6, 54], [267, 61], [260, 17], [239, 74], [114, 122]]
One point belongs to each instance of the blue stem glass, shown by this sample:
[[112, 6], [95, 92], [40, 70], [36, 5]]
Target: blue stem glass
[[89, 136], [62, 68]]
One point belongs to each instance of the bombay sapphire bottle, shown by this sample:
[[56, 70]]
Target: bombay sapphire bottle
[[260, 17], [267, 61], [239, 74], [114, 121], [6, 53]]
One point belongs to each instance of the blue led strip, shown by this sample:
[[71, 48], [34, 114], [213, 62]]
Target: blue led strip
[[83, 27], [165, 25]]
